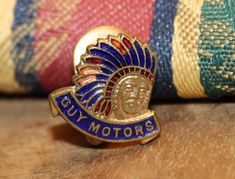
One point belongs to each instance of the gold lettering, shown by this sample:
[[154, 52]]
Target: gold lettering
[[116, 131], [106, 129], [139, 130], [127, 134], [149, 126], [70, 112], [93, 127], [80, 117], [65, 102]]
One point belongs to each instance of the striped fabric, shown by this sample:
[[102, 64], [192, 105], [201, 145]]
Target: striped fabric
[[194, 41]]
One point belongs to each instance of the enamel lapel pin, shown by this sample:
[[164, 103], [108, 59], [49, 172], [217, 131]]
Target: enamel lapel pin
[[113, 81]]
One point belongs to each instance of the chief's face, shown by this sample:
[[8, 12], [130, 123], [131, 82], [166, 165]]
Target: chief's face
[[134, 95]]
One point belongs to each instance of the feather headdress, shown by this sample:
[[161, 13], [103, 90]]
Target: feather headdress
[[107, 62]]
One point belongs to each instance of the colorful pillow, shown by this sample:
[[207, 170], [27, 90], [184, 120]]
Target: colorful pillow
[[194, 42]]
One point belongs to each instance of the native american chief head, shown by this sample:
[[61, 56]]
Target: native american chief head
[[115, 78]]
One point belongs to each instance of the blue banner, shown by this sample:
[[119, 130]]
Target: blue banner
[[72, 111]]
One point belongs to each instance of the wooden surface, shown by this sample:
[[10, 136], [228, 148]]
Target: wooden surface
[[197, 141]]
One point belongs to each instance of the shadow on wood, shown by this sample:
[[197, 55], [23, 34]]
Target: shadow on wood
[[66, 133]]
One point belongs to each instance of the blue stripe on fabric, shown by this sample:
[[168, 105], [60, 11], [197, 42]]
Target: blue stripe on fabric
[[161, 43], [22, 43]]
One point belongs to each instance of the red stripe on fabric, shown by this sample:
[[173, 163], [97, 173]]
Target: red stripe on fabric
[[61, 23]]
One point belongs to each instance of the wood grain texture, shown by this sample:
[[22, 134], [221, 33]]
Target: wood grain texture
[[197, 141]]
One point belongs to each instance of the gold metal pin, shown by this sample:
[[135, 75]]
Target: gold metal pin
[[114, 77]]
